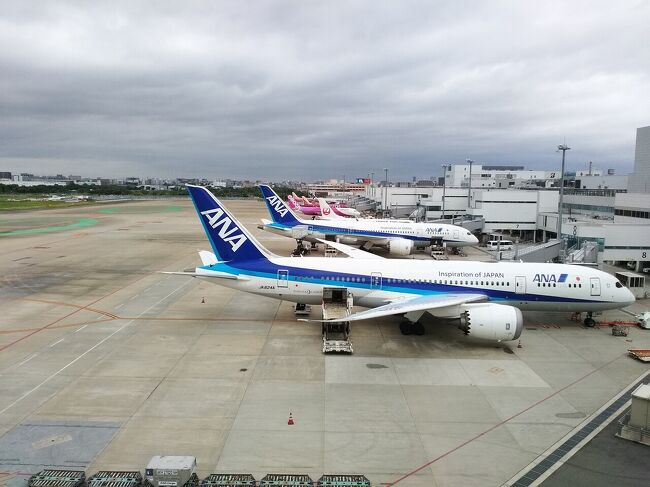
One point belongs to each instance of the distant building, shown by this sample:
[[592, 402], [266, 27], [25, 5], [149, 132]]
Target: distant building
[[599, 181], [334, 186], [5, 175], [457, 176]]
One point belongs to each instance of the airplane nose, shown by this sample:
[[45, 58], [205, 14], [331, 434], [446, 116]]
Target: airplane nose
[[629, 297], [474, 240]]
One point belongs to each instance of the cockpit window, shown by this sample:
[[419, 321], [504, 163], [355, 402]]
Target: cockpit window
[[618, 284]]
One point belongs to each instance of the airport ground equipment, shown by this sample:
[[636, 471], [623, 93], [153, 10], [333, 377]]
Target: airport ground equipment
[[643, 354], [229, 480], [619, 331], [51, 477], [114, 478], [337, 305], [438, 252], [171, 471], [286, 480], [302, 309], [343, 481], [644, 320], [330, 251]]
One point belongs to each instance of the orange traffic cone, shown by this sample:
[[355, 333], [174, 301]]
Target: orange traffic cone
[[290, 422], [203, 300], [519, 344]]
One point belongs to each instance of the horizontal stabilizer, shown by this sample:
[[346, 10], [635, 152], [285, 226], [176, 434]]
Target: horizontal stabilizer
[[208, 258], [208, 273]]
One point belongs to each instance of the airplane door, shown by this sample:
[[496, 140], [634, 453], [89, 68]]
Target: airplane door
[[520, 284], [595, 286], [375, 280], [456, 236], [283, 278]]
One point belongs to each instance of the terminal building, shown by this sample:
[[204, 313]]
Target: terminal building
[[611, 210]]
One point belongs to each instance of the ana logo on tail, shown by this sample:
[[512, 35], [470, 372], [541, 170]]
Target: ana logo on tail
[[277, 205], [232, 235]]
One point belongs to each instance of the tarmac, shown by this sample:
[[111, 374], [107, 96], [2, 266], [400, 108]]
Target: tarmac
[[105, 362]]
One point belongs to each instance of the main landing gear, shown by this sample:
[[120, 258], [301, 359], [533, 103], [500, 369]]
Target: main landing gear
[[408, 327], [300, 249], [589, 321]]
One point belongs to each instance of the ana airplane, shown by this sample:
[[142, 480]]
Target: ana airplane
[[486, 297], [400, 237]]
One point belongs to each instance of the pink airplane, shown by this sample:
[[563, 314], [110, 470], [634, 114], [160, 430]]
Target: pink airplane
[[312, 208], [304, 209]]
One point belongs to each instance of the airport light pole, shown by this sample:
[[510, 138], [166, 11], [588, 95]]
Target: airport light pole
[[444, 187], [386, 189], [469, 190], [563, 148]]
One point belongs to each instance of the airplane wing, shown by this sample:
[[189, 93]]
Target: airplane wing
[[420, 303], [351, 251]]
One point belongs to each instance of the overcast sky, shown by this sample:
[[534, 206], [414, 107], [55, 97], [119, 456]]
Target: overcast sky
[[311, 90]]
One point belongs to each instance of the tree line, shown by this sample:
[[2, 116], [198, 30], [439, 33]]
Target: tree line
[[114, 189]]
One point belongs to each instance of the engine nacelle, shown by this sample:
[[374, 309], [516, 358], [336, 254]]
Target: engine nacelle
[[400, 246], [491, 321]]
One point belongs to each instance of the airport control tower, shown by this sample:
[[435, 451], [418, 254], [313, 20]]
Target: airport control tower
[[639, 181]]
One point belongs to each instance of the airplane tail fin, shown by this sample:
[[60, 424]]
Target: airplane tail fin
[[327, 211], [280, 212], [230, 241], [301, 200], [293, 204]]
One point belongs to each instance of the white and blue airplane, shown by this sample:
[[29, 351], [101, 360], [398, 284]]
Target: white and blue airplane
[[487, 297], [400, 237]]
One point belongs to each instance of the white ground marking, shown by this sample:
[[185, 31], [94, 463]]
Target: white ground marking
[[28, 359], [79, 329], [45, 381], [58, 341]]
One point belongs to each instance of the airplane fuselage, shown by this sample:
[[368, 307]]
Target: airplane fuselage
[[528, 286], [356, 232]]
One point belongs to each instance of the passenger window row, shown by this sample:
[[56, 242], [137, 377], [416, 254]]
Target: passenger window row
[[543, 284]]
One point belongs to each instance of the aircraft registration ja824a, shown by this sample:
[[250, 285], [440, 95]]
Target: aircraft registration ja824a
[[487, 297]]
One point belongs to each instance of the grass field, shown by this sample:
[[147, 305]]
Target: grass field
[[23, 202]]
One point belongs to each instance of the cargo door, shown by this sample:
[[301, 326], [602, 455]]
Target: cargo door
[[595, 286], [283, 278]]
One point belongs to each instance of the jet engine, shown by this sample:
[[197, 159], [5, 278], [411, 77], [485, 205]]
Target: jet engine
[[400, 246], [491, 321]]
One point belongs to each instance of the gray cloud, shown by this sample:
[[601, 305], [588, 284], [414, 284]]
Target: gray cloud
[[308, 90]]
